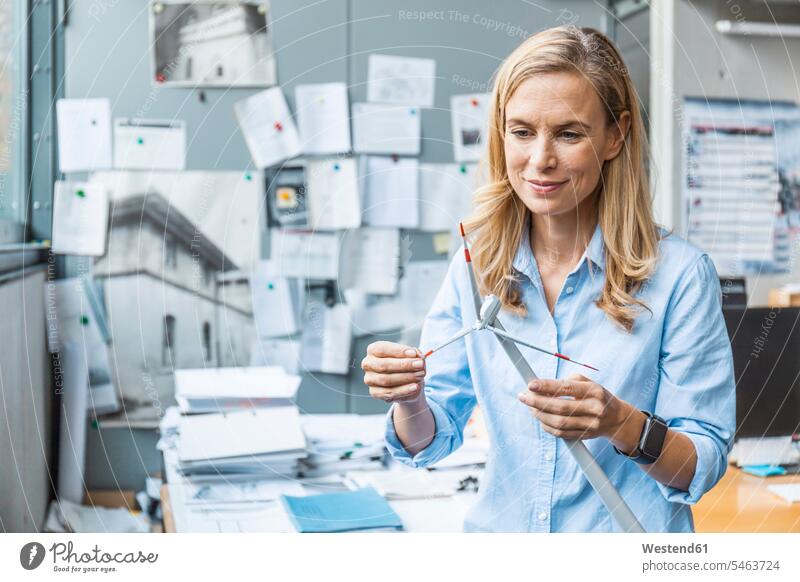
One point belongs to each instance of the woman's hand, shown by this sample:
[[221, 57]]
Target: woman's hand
[[393, 372], [591, 411]]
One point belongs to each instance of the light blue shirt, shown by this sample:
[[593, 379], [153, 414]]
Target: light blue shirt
[[677, 363]]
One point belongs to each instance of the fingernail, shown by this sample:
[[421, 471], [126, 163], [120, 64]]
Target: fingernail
[[419, 374], [411, 353], [521, 396], [534, 385], [417, 364]]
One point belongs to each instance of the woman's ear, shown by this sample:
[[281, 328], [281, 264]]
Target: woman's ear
[[618, 131]]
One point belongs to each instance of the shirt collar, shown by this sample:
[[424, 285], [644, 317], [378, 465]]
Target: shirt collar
[[525, 263]]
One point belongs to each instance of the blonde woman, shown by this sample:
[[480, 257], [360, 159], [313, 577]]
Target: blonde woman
[[564, 235]]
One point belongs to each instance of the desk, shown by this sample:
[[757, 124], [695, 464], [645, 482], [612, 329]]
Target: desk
[[739, 503], [742, 503]]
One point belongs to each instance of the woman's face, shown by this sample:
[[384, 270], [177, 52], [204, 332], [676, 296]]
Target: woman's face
[[556, 139]]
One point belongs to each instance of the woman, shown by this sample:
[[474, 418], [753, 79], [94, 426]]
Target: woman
[[564, 235]]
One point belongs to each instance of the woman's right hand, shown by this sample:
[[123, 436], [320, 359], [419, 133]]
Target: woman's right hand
[[394, 372]]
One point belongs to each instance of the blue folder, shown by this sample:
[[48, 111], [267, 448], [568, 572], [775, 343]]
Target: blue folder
[[363, 509]]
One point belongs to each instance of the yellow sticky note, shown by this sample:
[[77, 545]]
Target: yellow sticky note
[[441, 243]]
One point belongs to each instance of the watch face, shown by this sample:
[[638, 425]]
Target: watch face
[[655, 431]]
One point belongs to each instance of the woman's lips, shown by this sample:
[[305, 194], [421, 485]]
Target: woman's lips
[[545, 187]]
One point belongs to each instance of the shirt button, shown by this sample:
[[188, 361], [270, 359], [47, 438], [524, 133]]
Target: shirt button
[[542, 516], [548, 456], [570, 289]]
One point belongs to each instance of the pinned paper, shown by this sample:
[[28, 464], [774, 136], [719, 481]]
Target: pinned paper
[[305, 255], [470, 121], [149, 144], [445, 192], [371, 260], [84, 134], [386, 129], [327, 338], [276, 301], [286, 197], [401, 80], [442, 242], [80, 218], [268, 128], [333, 194], [323, 118], [391, 191]]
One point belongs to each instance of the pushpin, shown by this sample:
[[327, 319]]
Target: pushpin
[[248, 176], [270, 286], [140, 141], [160, 78], [336, 167], [463, 169], [84, 320], [413, 111], [80, 194], [278, 126], [474, 102]]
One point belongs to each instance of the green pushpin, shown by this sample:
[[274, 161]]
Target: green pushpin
[[270, 286], [463, 169], [80, 194], [84, 320], [248, 177], [140, 141]]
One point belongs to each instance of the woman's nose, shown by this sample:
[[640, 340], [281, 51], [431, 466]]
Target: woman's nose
[[542, 155]]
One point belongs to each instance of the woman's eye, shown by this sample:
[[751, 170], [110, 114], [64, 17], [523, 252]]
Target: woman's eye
[[570, 135], [521, 132]]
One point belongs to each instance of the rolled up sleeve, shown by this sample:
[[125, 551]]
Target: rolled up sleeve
[[448, 385], [697, 394]]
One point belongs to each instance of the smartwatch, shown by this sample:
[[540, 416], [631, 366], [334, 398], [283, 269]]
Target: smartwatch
[[651, 442]]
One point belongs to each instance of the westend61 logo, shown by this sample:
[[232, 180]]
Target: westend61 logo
[[65, 559]]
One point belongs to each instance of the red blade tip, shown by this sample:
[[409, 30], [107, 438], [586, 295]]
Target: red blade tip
[[461, 226]]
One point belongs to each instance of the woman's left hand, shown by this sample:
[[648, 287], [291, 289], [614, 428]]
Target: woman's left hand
[[590, 411]]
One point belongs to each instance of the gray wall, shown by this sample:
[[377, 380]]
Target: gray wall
[[314, 42]]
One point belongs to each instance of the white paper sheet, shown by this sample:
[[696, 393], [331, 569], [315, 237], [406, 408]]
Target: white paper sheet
[[386, 129], [418, 288], [327, 338], [276, 352], [253, 382], [445, 195], [257, 431], [373, 314], [401, 80], [268, 127], [391, 191], [305, 255], [149, 144], [470, 120], [225, 206], [276, 301], [371, 260], [84, 134], [80, 218], [323, 118], [332, 194]]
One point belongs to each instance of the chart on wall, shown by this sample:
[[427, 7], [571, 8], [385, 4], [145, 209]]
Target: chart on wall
[[741, 182], [211, 44]]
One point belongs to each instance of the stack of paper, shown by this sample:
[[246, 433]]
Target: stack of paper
[[261, 442], [338, 443], [402, 483], [359, 510], [217, 389]]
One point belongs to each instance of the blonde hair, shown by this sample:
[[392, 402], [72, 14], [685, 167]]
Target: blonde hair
[[624, 204]]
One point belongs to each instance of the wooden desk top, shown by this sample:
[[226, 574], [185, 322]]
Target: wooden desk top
[[742, 503]]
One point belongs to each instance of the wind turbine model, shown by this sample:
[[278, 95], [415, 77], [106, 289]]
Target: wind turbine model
[[486, 312]]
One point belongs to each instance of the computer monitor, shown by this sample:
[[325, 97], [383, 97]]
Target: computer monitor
[[766, 359]]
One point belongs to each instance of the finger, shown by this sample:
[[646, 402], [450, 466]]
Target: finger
[[555, 405], [391, 350], [392, 394], [566, 423], [579, 378], [392, 380], [572, 388], [570, 435], [392, 365]]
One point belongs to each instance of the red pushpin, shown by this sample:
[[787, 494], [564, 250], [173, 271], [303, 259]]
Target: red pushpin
[[474, 102], [160, 78], [278, 126]]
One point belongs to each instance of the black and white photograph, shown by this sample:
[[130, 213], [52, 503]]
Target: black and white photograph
[[212, 44]]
